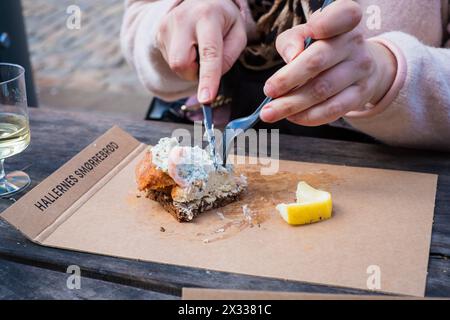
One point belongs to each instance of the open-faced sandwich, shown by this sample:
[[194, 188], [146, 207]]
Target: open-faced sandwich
[[185, 181]]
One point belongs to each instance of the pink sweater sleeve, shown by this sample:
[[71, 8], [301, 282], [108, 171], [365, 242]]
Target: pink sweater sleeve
[[138, 42], [416, 111]]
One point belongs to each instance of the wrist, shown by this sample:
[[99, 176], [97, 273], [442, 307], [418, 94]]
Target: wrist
[[386, 70]]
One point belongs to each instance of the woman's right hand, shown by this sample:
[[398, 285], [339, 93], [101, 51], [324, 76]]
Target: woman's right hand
[[216, 28]]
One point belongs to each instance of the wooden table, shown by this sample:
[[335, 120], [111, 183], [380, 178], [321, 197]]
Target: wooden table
[[31, 271]]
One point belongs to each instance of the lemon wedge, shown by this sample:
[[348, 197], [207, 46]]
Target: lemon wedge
[[312, 206]]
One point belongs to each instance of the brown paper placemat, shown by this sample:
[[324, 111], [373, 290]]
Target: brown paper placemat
[[381, 218]]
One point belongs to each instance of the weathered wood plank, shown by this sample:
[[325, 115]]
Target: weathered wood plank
[[170, 279], [27, 282], [438, 277], [56, 137]]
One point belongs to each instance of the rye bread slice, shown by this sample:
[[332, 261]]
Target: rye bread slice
[[186, 211]]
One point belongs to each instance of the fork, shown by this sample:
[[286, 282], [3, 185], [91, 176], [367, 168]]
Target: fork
[[240, 125]]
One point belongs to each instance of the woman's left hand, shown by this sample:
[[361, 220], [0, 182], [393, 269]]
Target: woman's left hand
[[339, 73]]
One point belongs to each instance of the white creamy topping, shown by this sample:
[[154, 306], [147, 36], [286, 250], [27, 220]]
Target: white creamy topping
[[196, 168], [194, 165], [160, 152], [218, 184]]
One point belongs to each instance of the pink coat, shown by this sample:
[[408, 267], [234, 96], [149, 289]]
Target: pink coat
[[414, 113]]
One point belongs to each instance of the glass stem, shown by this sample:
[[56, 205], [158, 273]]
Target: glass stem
[[2, 169]]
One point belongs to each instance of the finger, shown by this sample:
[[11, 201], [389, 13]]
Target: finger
[[331, 110], [290, 43], [233, 45], [181, 55], [325, 86], [339, 17], [320, 56], [210, 48]]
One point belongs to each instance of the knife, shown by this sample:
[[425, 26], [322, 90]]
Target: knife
[[209, 128]]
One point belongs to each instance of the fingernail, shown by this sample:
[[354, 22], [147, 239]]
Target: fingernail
[[267, 114], [204, 95], [289, 53], [269, 90]]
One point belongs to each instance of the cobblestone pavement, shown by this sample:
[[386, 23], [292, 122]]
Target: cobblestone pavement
[[88, 59]]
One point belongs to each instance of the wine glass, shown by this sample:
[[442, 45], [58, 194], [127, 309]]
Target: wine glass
[[14, 125]]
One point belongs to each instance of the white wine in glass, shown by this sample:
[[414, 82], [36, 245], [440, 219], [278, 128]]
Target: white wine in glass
[[14, 125]]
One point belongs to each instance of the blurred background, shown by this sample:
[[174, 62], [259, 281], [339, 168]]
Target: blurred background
[[81, 69]]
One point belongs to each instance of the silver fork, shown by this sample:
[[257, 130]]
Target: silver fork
[[238, 126]]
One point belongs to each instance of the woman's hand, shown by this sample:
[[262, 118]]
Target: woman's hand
[[216, 28], [341, 72]]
